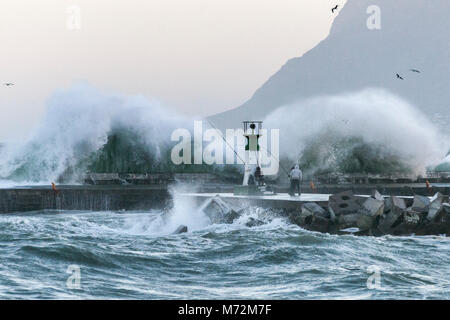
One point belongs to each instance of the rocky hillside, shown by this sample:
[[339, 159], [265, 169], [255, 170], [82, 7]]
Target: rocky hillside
[[413, 34]]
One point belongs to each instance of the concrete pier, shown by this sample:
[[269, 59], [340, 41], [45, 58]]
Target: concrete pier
[[391, 189], [324, 212], [340, 213], [146, 197], [279, 201], [93, 198]]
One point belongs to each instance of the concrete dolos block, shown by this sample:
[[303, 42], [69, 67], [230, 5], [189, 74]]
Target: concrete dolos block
[[444, 198], [447, 207], [443, 214], [376, 195], [217, 210], [370, 210], [435, 206], [420, 204], [308, 211], [390, 220], [181, 229], [230, 217], [393, 208], [312, 208], [343, 203], [314, 222], [319, 224], [394, 202], [312, 217], [346, 221]]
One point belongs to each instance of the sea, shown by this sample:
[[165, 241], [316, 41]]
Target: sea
[[135, 255]]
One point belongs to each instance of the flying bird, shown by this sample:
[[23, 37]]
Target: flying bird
[[8, 84], [414, 70], [335, 8], [399, 77]]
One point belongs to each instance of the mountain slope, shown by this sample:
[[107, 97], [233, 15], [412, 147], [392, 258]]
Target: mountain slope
[[414, 34]]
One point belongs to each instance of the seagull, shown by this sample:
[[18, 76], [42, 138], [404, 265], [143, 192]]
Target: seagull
[[414, 70], [8, 84], [335, 8], [399, 77]]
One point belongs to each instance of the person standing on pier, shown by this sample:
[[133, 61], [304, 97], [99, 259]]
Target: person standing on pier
[[259, 176], [296, 177]]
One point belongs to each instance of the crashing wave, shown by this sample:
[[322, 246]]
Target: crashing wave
[[86, 129], [370, 131]]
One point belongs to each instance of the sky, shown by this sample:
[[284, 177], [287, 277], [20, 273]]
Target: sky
[[199, 57]]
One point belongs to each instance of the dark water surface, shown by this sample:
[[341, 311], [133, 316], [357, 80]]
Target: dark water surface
[[133, 255]]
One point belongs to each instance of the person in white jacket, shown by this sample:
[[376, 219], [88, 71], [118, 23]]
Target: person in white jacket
[[296, 177]]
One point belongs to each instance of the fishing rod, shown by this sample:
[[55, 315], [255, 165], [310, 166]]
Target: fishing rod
[[220, 132], [232, 148], [279, 162]]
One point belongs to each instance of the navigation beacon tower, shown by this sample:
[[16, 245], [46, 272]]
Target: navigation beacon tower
[[252, 133]]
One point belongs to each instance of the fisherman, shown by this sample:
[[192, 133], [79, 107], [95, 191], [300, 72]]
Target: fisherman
[[251, 179], [296, 176], [259, 176]]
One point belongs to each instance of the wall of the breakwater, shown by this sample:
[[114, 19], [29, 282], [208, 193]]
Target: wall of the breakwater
[[386, 189], [83, 198], [146, 197], [220, 178], [158, 178]]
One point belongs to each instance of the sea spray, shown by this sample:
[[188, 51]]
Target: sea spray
[[187, 211], [88, 130], [183, 211], [79, 121], [389, 131]]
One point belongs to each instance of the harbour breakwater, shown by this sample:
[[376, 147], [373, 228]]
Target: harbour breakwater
[[345, 213], [236, 178], [90, 198], [158, 196], [377, 215], [338, 213]]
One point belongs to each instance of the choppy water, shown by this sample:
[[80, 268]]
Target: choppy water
[[133, 255]]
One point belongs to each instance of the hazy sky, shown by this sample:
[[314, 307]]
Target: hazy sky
[[196, 56]]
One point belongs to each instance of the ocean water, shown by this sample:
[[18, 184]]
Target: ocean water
[[133, 255]]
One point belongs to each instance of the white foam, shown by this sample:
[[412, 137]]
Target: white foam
[[78, 122], [375, 115]]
